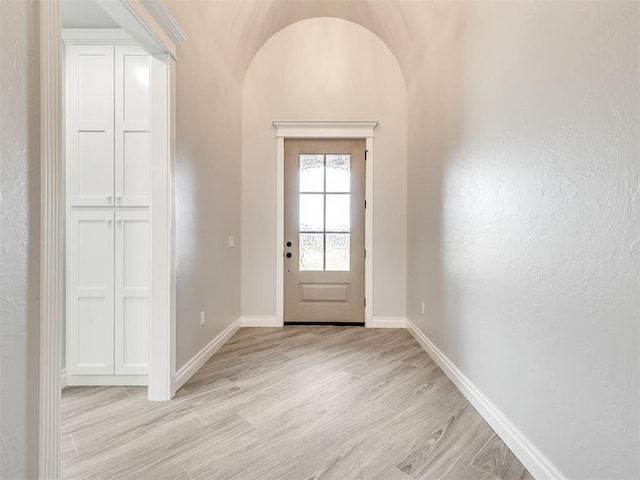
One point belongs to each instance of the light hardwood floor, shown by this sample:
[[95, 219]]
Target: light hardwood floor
[[296, 403]]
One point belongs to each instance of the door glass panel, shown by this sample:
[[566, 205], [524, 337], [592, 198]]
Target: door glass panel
[[311, 212], [338, 173], [311, 252], [325, 212], [312, 173], [338, 256], [338, 212]]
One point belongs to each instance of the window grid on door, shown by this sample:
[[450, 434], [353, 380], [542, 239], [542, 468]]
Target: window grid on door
[[324, 227]]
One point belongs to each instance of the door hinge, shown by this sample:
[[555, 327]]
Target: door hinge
[[365, 155], [365, 253], [365, 302], [365, 204]]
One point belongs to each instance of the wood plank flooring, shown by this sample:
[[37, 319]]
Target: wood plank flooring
[[299, 403]]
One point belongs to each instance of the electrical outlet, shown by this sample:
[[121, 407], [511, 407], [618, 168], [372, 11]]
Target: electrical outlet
[[422, 308], [232, 242], [202, 318]]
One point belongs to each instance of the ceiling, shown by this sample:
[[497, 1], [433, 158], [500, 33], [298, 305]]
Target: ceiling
[[85, 14]]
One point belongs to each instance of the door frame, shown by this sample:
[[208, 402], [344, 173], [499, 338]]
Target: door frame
[[325, 130], [153, 28]]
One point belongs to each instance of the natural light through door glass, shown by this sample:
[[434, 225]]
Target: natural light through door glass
[[311, 212], [338, 212], [311, 251], [337, 251], [338, 173], [324, 212], [312, 173]]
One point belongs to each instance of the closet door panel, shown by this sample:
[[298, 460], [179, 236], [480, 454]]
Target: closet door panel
[[132, 282], [90, 124], [132, 111], [90, 292]]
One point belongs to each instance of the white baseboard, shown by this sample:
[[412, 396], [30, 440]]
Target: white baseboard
[[200, 358], [63, 378], [387, 322], [260, 322], [106, 380], [537, 464]]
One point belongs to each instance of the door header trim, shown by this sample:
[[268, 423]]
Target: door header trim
[[325, 128]]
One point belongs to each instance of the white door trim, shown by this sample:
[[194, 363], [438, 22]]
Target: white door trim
[[329, 129], [153, 37]]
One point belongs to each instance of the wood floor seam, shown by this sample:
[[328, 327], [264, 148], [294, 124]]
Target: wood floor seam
[[316, 403]]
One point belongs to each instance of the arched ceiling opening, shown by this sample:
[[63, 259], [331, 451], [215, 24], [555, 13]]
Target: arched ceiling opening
[[239, 28]]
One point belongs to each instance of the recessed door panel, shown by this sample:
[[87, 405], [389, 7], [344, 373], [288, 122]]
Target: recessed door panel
[[135, 165], [324, 231], [136, 84], [135, 335], [324, 292]]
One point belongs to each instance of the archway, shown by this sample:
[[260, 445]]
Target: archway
[[323, 69]]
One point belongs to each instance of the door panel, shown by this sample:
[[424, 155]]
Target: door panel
[[324, 231], [89, 125], [132, 100], [132, 279], [90, 252]]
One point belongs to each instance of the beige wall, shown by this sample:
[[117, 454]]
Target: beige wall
[[207, 184], [524, 219], [19, 238], [323, 69]]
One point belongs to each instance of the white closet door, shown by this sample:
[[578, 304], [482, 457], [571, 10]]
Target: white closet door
[[132, 270], [89, 125], [90, 252], [132, 139]]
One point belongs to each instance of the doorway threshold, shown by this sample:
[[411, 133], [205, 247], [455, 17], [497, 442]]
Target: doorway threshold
[[324, 324]]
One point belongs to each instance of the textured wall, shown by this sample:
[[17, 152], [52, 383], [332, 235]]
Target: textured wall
[[207, 184], [323, 69], [19, 248], [524, 219]]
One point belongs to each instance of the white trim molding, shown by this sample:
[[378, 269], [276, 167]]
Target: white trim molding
[[325, 129], [51, 240], [537, 464], [162, 15], [189, 369], [107, 380], [96, 36], [63, 378], [387, 322], [257, 321], [162, 345], [149, 23]]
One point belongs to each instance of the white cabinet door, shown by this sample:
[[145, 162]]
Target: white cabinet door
[[132, 148], [89, 124], [132, 277], [90, 252]]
